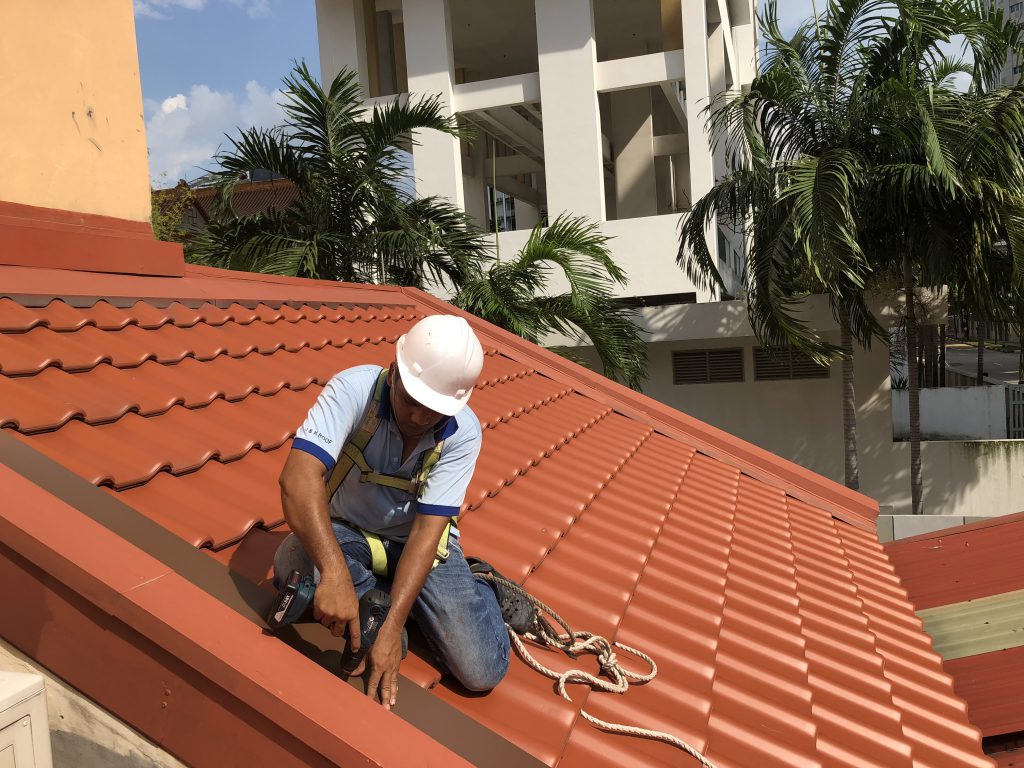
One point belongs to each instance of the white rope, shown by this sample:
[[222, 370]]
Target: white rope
[[575, 643]]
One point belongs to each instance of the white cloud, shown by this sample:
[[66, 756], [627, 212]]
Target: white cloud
[[254, 8], [184, 132], [155, 9], [173, 103], [159, 9]]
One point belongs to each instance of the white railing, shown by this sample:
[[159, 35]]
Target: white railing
[[1015, 411]]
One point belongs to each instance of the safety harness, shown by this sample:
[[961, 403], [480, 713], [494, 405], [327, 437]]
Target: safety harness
[[352, 456]]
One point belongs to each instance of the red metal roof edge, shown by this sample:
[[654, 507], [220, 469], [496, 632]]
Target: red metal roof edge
[[205, 634], [958, 530], [393, 292], [36, 237], [846, 505], [198, 283]]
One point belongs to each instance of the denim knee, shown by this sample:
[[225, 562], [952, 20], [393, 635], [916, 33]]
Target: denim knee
[[482, 679]]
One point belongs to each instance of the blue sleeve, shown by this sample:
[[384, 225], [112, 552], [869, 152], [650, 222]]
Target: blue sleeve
[[449, 480], [336, 413]]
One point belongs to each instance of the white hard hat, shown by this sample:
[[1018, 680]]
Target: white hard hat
[[439, 360]]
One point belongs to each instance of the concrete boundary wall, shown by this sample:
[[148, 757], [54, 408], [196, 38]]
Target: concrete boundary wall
[[953, 413], [895, 527]]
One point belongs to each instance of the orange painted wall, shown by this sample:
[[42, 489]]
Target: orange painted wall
[[72, 135]]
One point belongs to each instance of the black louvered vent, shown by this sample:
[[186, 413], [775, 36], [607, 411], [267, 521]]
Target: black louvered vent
[[705, 366], [786, 364]]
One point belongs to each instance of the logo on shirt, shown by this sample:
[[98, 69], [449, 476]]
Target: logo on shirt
[[320, 435]]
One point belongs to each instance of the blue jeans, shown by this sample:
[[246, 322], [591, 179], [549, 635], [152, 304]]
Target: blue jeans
[[456, 612]]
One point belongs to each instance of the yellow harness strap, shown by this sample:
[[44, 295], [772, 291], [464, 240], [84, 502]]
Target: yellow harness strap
[[352, 456]]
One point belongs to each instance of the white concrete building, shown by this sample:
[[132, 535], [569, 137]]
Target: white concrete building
[[1010, 74], [591, 107]]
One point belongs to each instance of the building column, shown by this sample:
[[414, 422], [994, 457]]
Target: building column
[[475, 186], [717, 84], [632, 129], [341, 36], [431, 70], [573, 151], [698, 92]]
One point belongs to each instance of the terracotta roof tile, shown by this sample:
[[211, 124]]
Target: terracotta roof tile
[[59, 316], [782, 634], [15, 318], [186, 504]]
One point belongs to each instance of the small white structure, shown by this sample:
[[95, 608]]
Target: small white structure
[[586, 107], [24, 726]]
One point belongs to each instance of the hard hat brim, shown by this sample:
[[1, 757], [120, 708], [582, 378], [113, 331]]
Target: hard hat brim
[[446, 405]]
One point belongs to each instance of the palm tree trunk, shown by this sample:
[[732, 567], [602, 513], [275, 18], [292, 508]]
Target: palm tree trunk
[[913, 388], [982, 333], [849, 411], [942, 355]]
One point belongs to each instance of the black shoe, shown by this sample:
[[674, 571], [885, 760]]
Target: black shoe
[[518, 612]]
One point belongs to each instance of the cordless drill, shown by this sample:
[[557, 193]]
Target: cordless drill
[[295, 600], [373, 610]]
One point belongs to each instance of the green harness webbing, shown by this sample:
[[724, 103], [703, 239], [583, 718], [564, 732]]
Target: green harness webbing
[[352, 456]]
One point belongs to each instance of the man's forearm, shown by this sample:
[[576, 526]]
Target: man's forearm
[[414, 566], [304, 502]]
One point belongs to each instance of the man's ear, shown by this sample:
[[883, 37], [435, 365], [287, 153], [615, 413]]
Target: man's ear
[[392, 374]]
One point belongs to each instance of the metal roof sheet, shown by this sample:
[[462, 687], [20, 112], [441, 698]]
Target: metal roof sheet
[[959, 571], [782, 634]]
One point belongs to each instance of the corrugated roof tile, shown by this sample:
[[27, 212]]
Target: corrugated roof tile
[[148, 316], [782, 636], [15, 318], [60, 316], [107, 317], [216, 505]]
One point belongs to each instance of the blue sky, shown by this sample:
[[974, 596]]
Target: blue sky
[[210, 67]]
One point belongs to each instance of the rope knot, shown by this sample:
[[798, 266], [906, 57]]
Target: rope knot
[[608, 661]]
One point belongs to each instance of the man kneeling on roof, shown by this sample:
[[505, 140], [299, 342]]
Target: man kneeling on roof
[[371, 491]]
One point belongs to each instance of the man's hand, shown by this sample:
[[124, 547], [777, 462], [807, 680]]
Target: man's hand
[[337, 607], [384, 659]]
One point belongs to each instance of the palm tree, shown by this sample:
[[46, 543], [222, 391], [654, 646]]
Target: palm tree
[[512, 294], [952, 184], [355, 218], [854, 155], [798, 145]]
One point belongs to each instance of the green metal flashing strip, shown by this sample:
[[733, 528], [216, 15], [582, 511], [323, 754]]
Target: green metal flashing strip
[[434, 717], [986, 624]]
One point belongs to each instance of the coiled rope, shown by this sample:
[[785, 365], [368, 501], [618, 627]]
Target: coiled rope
[[576, 643]]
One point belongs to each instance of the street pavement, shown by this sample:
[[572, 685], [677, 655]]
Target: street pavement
[[1000, 367]]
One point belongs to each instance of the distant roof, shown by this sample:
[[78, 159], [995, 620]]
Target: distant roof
[[249, 197], [967, 583], [146, 420]]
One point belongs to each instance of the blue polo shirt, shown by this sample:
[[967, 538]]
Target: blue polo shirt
[[333, 421]]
